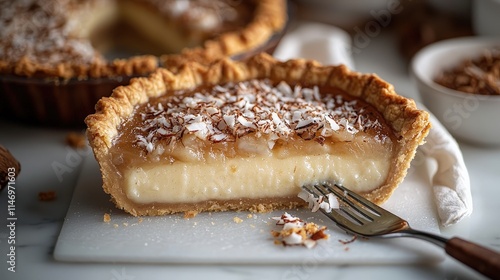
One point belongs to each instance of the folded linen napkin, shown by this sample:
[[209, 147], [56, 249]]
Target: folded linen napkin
[[324, 43], [451, 184]]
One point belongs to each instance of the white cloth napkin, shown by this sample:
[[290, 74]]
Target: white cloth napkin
[[451, 184], [324, 43]]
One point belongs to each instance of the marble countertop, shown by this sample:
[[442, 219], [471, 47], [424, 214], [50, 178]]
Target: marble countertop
[[48, 164]]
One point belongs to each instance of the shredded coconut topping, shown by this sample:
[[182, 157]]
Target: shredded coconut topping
[[43, 31], [233, 110]]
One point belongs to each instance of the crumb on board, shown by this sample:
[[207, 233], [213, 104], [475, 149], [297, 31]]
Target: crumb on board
[[76, 140], [47, 196], [249, 216], [140, 220], [107, 218], [190, 214], [125, 224], [115, 225], [237, 220]]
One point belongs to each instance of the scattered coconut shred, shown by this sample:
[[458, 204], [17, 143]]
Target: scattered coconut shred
[[297, 232]]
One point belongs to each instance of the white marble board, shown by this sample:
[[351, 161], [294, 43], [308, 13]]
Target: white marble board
[[215, 238]]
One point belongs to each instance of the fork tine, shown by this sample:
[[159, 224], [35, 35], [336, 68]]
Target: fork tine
[[355, 217], [344, 223], [356, 214], [340, 220], [356, 203], [363, 201], [325, 189]]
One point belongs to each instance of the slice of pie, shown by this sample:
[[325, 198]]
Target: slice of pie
[[247, 135]]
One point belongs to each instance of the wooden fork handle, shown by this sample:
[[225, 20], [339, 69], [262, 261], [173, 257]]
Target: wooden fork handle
[[483, 260]]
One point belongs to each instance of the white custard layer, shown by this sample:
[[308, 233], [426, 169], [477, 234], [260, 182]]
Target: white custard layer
[[253, 178]]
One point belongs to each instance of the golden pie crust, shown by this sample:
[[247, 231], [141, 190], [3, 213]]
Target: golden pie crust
[[409, 125], [270, 16]]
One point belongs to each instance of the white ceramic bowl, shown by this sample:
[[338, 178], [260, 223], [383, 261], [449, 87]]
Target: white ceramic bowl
[[470, 117]]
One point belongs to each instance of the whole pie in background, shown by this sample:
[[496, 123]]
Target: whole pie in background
[[58, 57]]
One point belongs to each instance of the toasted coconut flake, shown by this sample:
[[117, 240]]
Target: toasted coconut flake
[[230, 120], [304, 124], [228, 112], [246, 123]]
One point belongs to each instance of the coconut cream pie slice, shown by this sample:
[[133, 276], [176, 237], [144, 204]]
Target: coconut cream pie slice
[[247, 136]]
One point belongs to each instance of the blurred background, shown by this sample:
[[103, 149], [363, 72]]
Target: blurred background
[[417, 23]]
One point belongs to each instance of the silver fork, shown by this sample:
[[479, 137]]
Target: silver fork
[[361, 217]]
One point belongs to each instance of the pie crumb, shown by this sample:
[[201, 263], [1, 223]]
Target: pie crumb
[[115, 225], [190, 214], [107, 218], [237, 220], [249, 216], [47, 196]]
